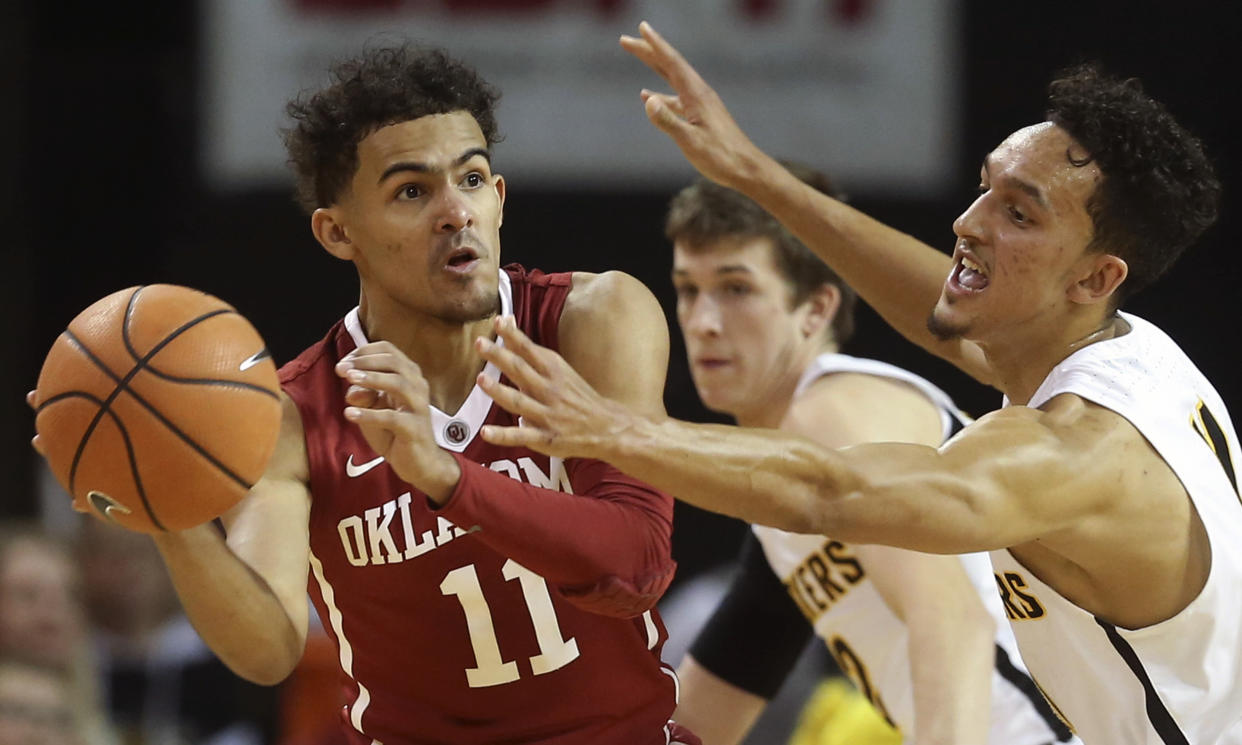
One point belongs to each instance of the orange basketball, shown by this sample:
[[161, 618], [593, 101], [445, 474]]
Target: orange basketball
[[158, 408]]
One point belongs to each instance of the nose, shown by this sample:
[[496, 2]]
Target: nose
[[969, 224], [701, 317], [454, 213]]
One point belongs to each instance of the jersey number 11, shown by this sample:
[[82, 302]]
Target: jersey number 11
[[490, 669]]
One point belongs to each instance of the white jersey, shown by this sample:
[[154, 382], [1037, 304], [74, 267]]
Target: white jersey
[[1180, 680], [832, 587]]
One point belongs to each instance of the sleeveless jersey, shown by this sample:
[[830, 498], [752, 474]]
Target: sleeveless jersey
[[1180, 680], [441, 639], [832, 588]]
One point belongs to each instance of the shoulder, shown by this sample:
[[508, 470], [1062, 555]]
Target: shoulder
[[860, 407], [613, 332], [605, 293], [608, 309]]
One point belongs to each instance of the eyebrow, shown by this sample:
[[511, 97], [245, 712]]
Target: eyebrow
[[1024, 186], [416, 167]]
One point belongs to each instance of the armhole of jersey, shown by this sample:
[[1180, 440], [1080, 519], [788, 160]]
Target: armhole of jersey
[[756, 634]]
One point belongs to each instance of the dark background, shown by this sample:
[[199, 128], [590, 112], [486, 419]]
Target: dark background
[[100, 191]]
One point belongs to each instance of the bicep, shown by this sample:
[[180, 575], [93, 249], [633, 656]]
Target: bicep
[[269, 528], [1014, 476], [613, 332]]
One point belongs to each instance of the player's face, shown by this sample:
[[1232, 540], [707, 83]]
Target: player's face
[[744, 343], [1020, 242], [423, 213], [40, 610]]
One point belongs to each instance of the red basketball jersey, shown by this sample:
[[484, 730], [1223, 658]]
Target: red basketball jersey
[[441, 638]]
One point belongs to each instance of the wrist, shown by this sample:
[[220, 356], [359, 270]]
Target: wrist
[[632, 438], [440, 477]]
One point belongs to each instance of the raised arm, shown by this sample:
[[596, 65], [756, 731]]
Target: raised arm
[[247, 597], [898, 275]]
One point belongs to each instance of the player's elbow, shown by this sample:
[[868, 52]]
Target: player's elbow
[[266, 665], [264, 659], [621, 597]]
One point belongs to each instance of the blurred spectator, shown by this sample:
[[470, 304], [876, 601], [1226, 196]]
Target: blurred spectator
[[163, 686], [36, 704], [42, 622]]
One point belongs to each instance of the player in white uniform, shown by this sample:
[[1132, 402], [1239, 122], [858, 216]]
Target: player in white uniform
[[923, 637], [1176, 681], [1088, 487]]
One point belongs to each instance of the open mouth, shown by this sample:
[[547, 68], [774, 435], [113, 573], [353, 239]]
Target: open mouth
[[969, 275], [461, 260]]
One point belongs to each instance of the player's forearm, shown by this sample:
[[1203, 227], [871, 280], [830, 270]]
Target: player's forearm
[[952, 655], [715, 710], [757, 475], [895, 494], [896, 274], [231, 607], [607, 548]]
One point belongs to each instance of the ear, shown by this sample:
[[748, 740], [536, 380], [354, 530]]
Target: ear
[[1102, 276], [330, 232], [821, 307], [499, 185]]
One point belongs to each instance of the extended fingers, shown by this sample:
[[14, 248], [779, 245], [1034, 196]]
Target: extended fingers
[[655, 52], [512, 400], [398, 423], [406, 392], [523, 361], [664, 111], [526, 437]]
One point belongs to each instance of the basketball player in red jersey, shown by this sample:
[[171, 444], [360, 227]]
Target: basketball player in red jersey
[[475, 593]]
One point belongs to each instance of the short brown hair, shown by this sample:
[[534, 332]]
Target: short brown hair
[[704, 212]]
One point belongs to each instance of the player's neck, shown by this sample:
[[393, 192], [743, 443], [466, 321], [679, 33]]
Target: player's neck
[[443, 350], [766, 409], [1023, 361]]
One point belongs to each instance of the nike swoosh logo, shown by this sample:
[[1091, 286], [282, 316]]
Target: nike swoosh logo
[[253, 360], [354, 470], [106, 505]]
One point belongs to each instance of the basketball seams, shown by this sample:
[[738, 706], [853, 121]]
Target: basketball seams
[[218, 383], [122, 385], [129, 447], [144, 361], [188, 446]]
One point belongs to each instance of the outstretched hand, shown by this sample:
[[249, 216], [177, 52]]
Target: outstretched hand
[[561, 414], [695, 117]]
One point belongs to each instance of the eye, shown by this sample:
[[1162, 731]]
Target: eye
[[1018, 215], [474, 180], [736, 289], [685, 292], [409, 191]]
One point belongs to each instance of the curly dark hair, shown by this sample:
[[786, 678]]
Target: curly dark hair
[[381, 86], [705, 212], [1158, 193]]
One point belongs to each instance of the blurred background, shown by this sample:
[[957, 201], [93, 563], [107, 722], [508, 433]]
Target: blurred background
[[139, 144]]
